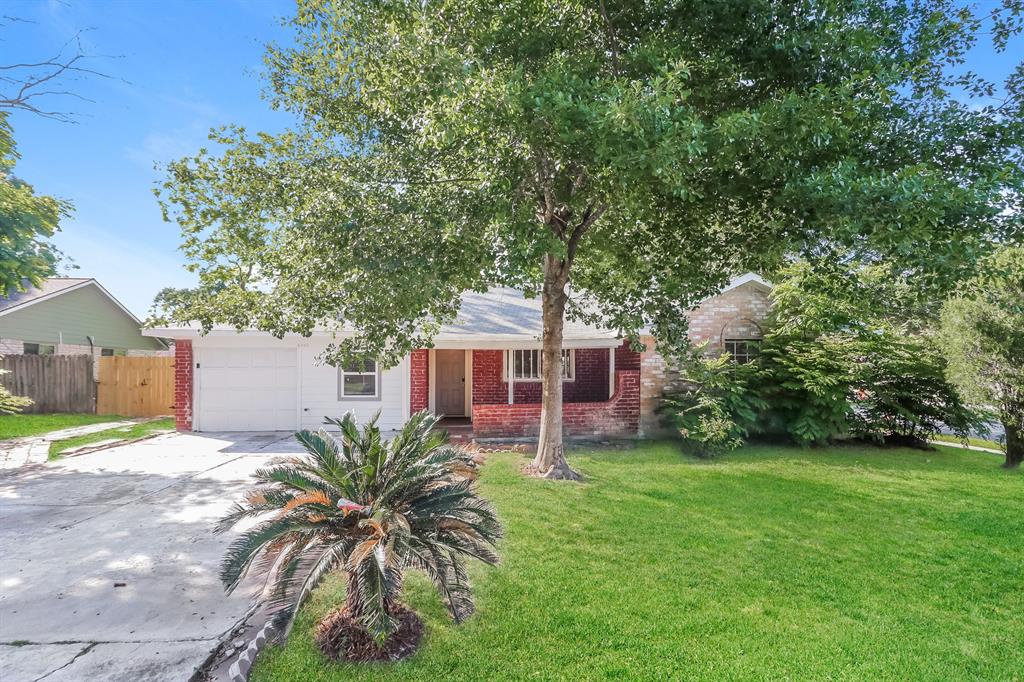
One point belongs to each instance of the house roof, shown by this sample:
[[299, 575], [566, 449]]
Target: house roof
[[53, 287], [497, 318]]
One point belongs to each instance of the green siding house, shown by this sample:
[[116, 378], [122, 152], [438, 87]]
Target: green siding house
[[71, 316]]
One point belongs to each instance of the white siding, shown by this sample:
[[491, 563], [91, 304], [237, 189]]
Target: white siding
[[245, 396], [320, 393]]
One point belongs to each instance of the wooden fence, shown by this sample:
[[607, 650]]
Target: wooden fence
[[136, 386], [56, 383]]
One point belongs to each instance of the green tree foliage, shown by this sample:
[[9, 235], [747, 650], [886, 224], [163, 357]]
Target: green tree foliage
[[841, 359], [371, 507], [640, 152], [983, 339], [27, 221]]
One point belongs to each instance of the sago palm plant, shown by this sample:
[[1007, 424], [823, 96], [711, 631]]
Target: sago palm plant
[[371, 507]]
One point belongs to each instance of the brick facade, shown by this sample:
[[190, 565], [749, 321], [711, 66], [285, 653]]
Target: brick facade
[[736, 314], [618, 416], [183, 369], [419, 380], [590, 383]]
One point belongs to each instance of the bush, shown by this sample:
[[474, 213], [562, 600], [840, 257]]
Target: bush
[[711, 407], [902, 395], [884, 387], [805, 386]]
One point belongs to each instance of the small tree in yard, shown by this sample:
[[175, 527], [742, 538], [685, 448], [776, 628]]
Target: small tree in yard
[[983, 337], [373, 508], [636, 154]]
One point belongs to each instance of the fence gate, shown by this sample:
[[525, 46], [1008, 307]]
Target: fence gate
[[55, 383], [136, 386]]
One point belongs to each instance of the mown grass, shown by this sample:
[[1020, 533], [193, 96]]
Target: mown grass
[[772, 563], [19, 425], [124, 433]]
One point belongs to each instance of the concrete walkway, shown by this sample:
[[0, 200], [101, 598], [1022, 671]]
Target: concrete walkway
[[108, 561], [17, 452]]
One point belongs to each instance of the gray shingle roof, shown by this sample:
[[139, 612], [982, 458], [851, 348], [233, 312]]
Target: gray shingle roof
[[49, 286], [502, 313]]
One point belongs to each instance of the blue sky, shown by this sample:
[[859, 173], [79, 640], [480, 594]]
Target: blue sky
[[179, 68]]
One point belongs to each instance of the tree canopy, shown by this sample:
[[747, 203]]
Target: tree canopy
[[27, 221], [639, 152], [983, 338]]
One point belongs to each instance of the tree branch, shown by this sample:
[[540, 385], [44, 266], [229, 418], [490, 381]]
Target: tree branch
[[613, 43]]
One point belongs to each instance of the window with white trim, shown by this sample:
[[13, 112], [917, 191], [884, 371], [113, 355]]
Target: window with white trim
[[359, 379], [526, 365]]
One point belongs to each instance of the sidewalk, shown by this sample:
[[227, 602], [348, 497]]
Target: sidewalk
[[19, 452]]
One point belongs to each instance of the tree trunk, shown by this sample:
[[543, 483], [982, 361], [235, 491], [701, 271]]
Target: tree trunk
[[1014, 446], [550, 460]]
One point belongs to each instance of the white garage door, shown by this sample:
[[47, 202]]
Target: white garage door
[[246, 389]]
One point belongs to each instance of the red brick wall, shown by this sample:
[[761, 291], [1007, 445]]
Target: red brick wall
[[419, 380], [619, 416], [626, 358], [183, 368], [590, 385]]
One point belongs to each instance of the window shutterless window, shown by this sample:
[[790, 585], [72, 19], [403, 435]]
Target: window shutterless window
[[37, 349], [526, 365], [359, 379], [742, 351]]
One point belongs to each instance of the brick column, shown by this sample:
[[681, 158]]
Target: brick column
[[652, 382], [419, 380], [183, 368]]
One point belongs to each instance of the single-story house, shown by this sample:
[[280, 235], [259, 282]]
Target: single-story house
[[72, 316], [483, 371]]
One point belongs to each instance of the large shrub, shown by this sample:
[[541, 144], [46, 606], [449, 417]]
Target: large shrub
[[372, 508], [805, 386], [901, 393], [711, 407]]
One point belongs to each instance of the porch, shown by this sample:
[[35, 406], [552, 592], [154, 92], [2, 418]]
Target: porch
[[496, 392]]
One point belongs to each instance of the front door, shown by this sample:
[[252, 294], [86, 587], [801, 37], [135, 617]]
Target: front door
[[450, 377]]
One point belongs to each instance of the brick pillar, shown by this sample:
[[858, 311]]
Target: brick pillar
[[183, 368], [419, 380], [652, 381]]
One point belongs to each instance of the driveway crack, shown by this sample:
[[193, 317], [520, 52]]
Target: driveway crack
[[86, 649]]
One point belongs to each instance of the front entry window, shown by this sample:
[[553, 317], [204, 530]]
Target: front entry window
[[38, 349], [526, 365]]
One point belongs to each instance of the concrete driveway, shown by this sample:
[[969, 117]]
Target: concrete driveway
[[108, 561]]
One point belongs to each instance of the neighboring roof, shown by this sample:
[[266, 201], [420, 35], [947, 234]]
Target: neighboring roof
[[50, 287], [498, 318], [53, 287]]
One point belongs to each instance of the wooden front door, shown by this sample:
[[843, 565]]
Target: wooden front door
[[450, 376]]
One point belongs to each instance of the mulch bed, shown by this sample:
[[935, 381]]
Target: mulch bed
[[342, 638]]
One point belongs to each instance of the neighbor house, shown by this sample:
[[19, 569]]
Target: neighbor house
[[71, 316], [483, 373]]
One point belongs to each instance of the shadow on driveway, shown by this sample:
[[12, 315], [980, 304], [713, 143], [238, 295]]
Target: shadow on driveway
[[108, 561]]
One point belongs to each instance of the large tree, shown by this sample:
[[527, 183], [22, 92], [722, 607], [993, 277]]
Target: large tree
[[639, 152], [983, 337]]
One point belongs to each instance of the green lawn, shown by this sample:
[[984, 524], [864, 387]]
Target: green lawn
[[125, 433], [18, 425], [772, 563]]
